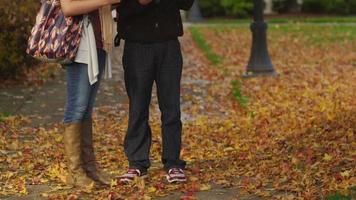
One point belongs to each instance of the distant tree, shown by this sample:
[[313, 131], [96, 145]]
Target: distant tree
[[16, 21], [293, 6], [286, 6], [342, 7], [230, 8]]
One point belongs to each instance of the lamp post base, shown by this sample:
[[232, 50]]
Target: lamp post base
[[254, 74], [195, 15], [260, 62]]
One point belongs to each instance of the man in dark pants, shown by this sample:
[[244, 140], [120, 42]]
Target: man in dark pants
[[152, 53]]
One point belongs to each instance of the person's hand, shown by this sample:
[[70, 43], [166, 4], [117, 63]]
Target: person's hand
[[144, 2]]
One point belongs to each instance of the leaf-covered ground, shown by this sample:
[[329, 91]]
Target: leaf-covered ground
[[286, 137]]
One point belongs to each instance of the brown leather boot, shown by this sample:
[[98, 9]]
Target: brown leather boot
[[88, 156], [76, 175]]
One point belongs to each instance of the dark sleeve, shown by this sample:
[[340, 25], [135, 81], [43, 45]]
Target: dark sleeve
[[185, 4], [132, 7]]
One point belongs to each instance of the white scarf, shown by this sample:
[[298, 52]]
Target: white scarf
[[87, 53]]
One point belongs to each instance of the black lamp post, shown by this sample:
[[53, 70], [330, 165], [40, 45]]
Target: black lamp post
[[260, 63], [195, 14]]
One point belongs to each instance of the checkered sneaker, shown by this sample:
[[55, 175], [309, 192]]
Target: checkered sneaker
[[131, 174], [176, 175]]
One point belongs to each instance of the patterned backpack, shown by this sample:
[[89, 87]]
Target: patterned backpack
[[55, 38]]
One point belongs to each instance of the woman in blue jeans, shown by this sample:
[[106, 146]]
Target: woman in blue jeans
[[83, 80]]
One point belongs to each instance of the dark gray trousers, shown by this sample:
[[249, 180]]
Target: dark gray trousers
[[143, 64]]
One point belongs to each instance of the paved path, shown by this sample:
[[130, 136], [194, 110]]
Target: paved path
[[45, 104]]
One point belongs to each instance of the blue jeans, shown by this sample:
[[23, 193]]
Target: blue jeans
[[80, 94]]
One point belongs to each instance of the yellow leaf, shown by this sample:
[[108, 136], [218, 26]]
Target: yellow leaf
[[89, 188], [147, 197], [152, 189], [14, 145], [327, 157], [45, 195], [345, 174], [205, 187], [58, 138], [229, 149], [113, 183], [295, 160]]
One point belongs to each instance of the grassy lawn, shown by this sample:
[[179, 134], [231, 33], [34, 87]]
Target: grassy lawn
[[200, 41], [298, 28], [338, 196], [313, 34], [3, 116], [330, 34], [317, 20]]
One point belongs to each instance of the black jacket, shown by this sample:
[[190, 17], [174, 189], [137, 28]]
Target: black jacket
[[156, 22]]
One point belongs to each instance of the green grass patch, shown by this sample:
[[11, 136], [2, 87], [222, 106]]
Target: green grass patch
[[316, 20], [314, 33], [226, 21], [319, 34], [203, 45], [338, 196], [238, 95], [3, 116]]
